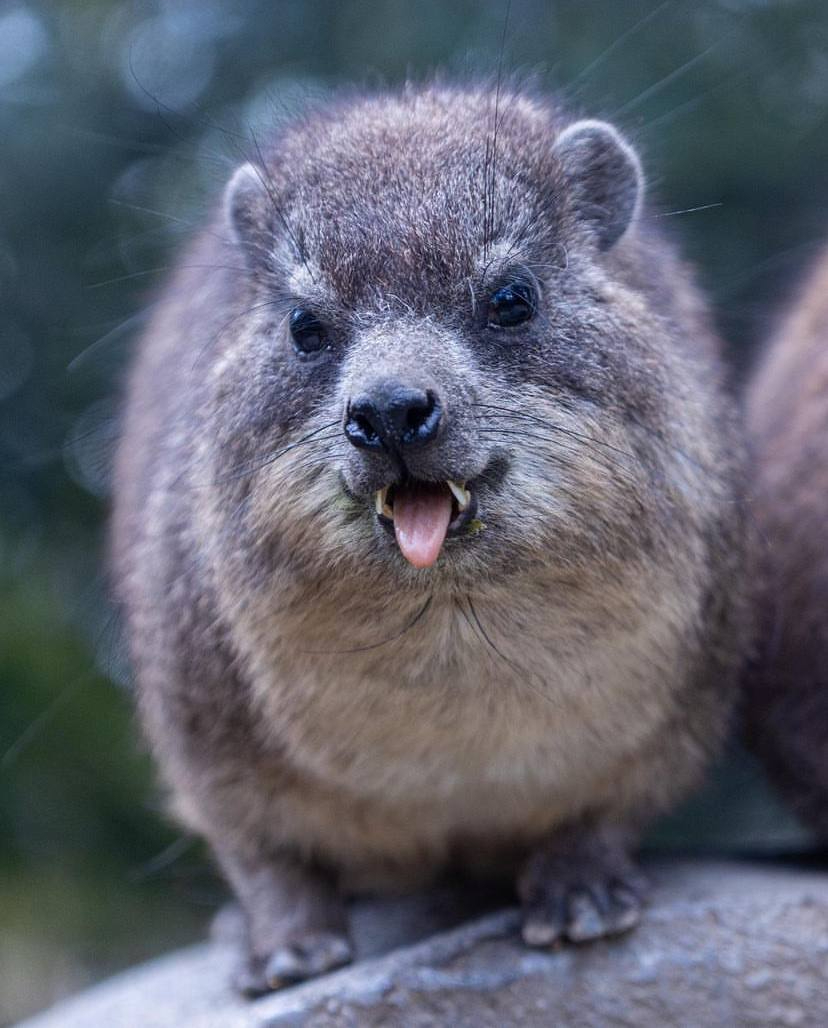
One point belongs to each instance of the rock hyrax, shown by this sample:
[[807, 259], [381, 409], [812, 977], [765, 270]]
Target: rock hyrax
[[426, 520], [787, 696]]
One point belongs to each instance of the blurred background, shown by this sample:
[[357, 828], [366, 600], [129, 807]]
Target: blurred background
[[119, 123]]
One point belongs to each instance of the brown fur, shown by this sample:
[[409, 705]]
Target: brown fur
[[787, 696], [314, 701]]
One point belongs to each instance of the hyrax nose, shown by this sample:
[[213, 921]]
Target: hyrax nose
[[393, 417]]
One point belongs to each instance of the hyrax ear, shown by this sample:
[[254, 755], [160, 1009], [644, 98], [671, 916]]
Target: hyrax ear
[[247, 210], [603, 178]]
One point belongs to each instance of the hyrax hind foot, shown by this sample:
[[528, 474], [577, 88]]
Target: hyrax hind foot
[[295, 926], [579, 887]]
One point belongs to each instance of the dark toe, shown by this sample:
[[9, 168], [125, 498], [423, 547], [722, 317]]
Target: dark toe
[[540, 930], [624, 912], [250, 980], [543, 919], [581, 913], [585, 918], [292, 963], [312, 955], [606, 908]]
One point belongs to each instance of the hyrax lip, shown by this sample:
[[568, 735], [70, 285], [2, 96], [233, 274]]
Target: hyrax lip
[[464, 506]]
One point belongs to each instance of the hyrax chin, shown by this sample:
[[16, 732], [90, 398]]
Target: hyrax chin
[[426, 520]]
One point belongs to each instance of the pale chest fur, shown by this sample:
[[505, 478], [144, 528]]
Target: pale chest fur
[[491, 713]]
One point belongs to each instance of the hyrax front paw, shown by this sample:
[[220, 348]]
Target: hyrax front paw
[[579, 889], [579, 912], [294, 961], [295, 924]]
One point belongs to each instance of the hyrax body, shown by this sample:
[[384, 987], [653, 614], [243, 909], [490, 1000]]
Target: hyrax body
[[787, 697], [354, 673]]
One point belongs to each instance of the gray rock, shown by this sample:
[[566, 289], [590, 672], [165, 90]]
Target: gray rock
[[722, 944]]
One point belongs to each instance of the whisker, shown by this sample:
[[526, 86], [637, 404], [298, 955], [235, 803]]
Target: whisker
[[375, 646], [728, 82], [124, 326], [484, 635], [506, 412], [617, 44], [161, 861], [690, 210], [166, 215], [204, 119], [256, 464], [260, 169], [55, 706], [560, 456], [318, 462], [667, 80], [225, 325], [486, 638], [490, 157], [169, 267], [174, 219], [43, 719]]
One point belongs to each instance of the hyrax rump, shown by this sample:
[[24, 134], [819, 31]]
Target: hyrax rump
[[426, 520], [786, 703]]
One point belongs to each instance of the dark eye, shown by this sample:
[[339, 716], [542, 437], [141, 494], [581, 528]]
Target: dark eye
[[512, 305], [307, 330]]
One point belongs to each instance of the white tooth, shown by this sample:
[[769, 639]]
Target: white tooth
[[381, 503], [462, 495]]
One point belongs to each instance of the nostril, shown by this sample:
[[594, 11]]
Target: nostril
[[422, 415], [414, 419], [363, 426]]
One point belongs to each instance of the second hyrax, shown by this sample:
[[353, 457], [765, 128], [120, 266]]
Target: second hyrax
[[426, 520], [786, 703]]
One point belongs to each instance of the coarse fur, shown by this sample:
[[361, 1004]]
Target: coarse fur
[[329, 716], [786, 703]]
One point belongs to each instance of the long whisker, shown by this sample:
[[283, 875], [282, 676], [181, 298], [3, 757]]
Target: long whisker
[[145, 272], [490, 156], [477, 627], [486, 638], [203, 119], [384, 642], [506, 411], [667, 80], [226, 324], [256, 464], [596, 63], [564, 457], [261, 173], [56, 705], [124, 326], [320, 459]]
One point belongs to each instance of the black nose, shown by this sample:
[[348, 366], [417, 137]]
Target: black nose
[[393, 417]]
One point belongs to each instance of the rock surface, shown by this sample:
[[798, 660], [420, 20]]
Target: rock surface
[[723, 944]]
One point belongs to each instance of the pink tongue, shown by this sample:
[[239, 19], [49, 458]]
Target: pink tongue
[[421, 518]]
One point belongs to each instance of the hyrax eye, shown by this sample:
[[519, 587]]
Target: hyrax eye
[[512, 305], [307, 331]]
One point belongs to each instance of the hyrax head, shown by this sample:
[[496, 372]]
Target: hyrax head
[[436, 334]]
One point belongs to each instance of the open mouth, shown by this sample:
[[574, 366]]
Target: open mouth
[[423, 515]]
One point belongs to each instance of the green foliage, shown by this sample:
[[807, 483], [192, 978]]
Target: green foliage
[[82, 888]]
